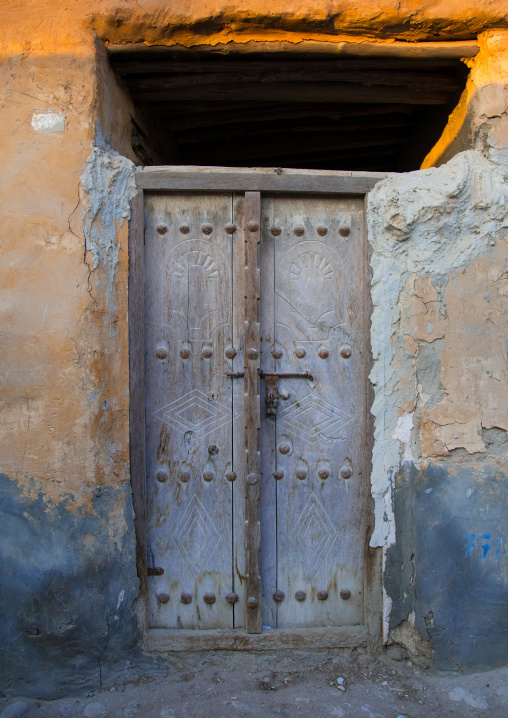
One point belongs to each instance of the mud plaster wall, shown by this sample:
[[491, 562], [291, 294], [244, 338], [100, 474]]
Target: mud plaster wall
[[440, 295], [67, 539]]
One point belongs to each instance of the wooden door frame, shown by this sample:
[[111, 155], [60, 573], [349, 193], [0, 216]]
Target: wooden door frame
[[264, 180]]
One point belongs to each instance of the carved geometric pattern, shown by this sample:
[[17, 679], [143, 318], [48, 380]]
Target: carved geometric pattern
[[194, 412], [311, 259], [195, 258], [196, 536], [312, 419], [313, 534]]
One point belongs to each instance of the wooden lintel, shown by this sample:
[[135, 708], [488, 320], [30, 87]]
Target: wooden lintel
[[446, 49]]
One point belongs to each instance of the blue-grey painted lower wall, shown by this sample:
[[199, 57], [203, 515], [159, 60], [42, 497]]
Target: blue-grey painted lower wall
[[68, 582], [450, 563]]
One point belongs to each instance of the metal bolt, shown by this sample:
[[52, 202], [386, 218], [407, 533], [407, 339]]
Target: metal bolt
[[207, 228], [253, 226], [252, 354], [279, 596], [278, 475], [284, 394], [322, 231], [232, 597], [185, 229], [284, 448], [344, 231], [275, 231], [184, 476], [161, 229], [213, 449], [322, 594], [346, 472], [345, 352], [186, 597], [163, 597], [323, 353], [230, 228], [161, 353], [300, 595], [208, 475], [301, 474], [230, 475], [345, 593], [323, 474], [162, 476], [299, 230], [185, 353], [207, 352], [252, 602], [277, 354], [300, 353], [252, 479], [230, 352], [209, 598]]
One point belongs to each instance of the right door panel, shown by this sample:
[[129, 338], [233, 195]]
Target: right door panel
[[313, 505]]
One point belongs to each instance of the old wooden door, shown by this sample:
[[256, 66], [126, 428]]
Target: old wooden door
[[255, 410]]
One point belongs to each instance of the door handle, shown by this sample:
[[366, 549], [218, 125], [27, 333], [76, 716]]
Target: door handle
[[272, 386]]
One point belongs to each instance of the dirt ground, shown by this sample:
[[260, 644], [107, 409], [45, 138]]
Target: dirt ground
[[284, 684]]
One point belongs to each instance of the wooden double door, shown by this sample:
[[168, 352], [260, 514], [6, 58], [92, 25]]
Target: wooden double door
[[255, 391]]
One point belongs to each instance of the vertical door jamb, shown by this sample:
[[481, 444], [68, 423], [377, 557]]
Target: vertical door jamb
[[252, 230]]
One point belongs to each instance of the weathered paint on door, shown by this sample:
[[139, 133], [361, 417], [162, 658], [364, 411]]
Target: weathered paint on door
[[311, 445]]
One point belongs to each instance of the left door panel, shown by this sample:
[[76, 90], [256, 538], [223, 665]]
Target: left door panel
[[194, 469]]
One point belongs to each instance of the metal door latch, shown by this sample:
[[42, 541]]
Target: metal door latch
[[272, 386]]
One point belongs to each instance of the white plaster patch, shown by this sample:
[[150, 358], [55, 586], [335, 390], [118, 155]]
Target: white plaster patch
[[402, 433], [48, 121]]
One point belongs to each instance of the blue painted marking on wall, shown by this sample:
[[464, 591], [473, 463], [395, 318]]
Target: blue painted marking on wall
[[471, 544]]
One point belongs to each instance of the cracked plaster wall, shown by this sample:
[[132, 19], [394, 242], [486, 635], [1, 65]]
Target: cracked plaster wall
[[440, 294]]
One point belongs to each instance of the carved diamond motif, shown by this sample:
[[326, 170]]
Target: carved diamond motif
[[196, 536], [195, 412], [313, 418], [313, 534]]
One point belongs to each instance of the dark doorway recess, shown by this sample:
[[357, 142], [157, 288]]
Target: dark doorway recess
[[308, 111]]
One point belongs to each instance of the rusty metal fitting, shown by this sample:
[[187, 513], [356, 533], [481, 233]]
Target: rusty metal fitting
[[284, 448], [162, 476], [161, 229], [322, 594], [230, 476], [209, 598], [186, 597], [299, 230], [207, 352], [276, 231], [346, 472], [232, 598], [345, 352], [252, 479], [161, 352], [322, 231], [184, 229], [344, 231], [345, 593], [279, 596], [278, 475], [184, 476], [300, 353], [230, 228], [300, 595], [253, 226], [252, 354], [301, 474], [277, 353], [252, 602], [323, 353], [206, 228], [213, 449], [323, 474], [230, 352], [155, 571], [208, 475], [163, 597], [185, 353]]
